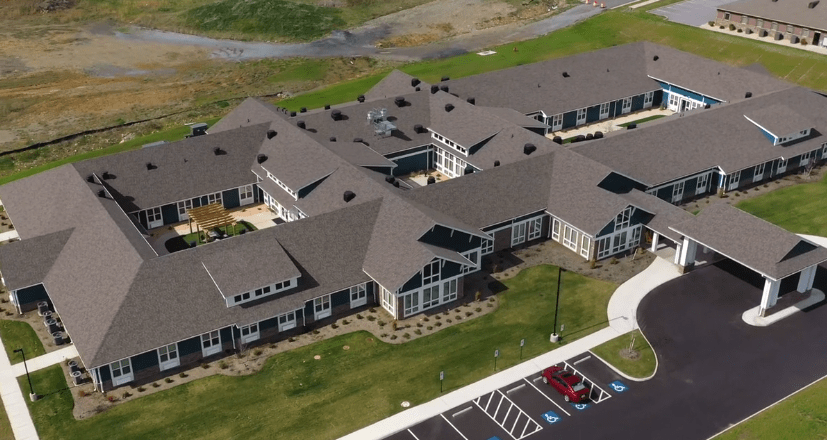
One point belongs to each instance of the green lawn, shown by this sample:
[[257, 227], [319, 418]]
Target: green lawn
[[800, 208], [642, 120], [639, 368], [802, 416], [18, 334], [5, 427], [228, 229], [299, 397]]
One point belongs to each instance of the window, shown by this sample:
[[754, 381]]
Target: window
[[287, 321], [210, 343], [726, 16], [805, 159], [263, 291], [555, 230], [619, 242], [472, 256], [627, 105], [782, 166], [411, 302], [249, 333], [677, 191], [585, 244], [760, 23], [759, 173], [674, 101], [241, 298], [168, 356], [556, 122], [321, 307], [389, 301], [121, 371], [744, 19], [518, 232], [824, 151], [488, 245], [154, 218], [703, 181], [430, 297], [535, 228], [214, 198], [358, 295], [246, 194], [430, 273], [182, 209], [805, 33], [734, 180], [449, 290], [648, 98], [581, 116], [570, 237], [604, 110], [623, 219], [774, 26], [603, 247]]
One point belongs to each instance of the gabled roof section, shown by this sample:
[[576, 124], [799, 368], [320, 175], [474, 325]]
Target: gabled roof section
[[508, 146], [180, 170], [395, 84], [515, 117], [732, 232], [252, 111], [238, 266], [465, 124], [26, 263], [666, 214], [357, 153], [796, 12], [779, 120]]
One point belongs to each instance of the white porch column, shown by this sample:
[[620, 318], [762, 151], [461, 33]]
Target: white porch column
[[812, 277], [688, 252], [770, 295], [678, 253], [804, 279], [655, 238]]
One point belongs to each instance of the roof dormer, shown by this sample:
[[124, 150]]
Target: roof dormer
[[780, 124]]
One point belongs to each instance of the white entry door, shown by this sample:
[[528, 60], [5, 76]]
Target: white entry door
[[627, 105], [154, 218], [734, 180]]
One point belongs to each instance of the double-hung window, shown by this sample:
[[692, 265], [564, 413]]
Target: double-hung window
[[488, 245], [358, 295], [555, 230], [556, 122], [759, 172], [168, 357], [585, 245], [518, 233], [411, 302], [430, 273], [210, 343], [570, 238], [249, 333], [535, 228], [449, 290], [389, 301], [214, 198], [471, 256], [121, 371], [321, 307], [287, 321], [734, 180], [581, 116], [726, 16]]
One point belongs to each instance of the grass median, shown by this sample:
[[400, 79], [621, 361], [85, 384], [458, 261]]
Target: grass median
[[19, 334], [300, 397], [800, 208], [640, 367]]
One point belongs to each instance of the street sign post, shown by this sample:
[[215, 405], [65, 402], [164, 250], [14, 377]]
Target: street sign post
[[522, 343], [496, 355], [441, 378]]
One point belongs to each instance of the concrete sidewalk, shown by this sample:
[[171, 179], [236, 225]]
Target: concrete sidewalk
[[621, 312], [47, 360], [14, 401]]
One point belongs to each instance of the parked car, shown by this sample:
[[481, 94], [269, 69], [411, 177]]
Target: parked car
[[566, 383]]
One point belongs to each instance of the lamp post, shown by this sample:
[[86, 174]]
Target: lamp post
[[32, 395], [554, 336]]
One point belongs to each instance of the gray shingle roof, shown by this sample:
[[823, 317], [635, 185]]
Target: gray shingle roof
[[295, 158], [25, 263], [780, 119], [184, 169], [753, 242], [465, 124], [666, 214], [394, 84], [252, 111], [515, 117], [785, 11]]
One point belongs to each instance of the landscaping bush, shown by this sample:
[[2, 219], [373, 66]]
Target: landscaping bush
[[418, 331], [490, 305], [731, 27], [425, 319], [458, 317], [449, 321], [407, 335], [257, 352], [372, 318], [110, 398], [393, 337], [478, 296], [359, 316], [419, 324], [316, 331], [155, 384], [394, 325], [168, 379], [372, 310], [614, 261], [334, 326], [429, 328], [469, 313], [722, 26], [126, 394], [345, 322], [141, 389], [383, 335], [222, 365], [740, 30], [291, 339], [804, 42], [711, 23], [205, 366], [182, 375], [438, 324], [437, 317], [478, 309]]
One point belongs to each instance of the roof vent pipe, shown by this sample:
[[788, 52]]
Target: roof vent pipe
[[327, 106], [361, 98], [418, 128], [106, 175], [529, 148], [150, 166], [655, 57], [218, 151], [332, 138], [390, 179], [449, 107], [271, 134], [415, 82], [557, 140], [261, 158], [813, 4], [565, 74], [748, 95], [348, 196], [434, 88], [301, 124], [431, 180], [102, 194], [471, 100], [417, 88]]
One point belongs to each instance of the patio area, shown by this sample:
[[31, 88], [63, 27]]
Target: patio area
[[610, 125]]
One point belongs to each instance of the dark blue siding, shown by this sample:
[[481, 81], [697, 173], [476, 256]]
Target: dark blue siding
[[231, 198], [189, 346], [308, 309], [142, 218], [236, 333], [414, 283], [665, 193], [569, 119], [449, 270], [169, 213], [689, 188], [746, 176], [340, 298], [659, 98], [616, 108], [144, 360], [269, 323], [105, 373], [226, 335], [458, 241], [768, 135], [410, 164], [32, 294]]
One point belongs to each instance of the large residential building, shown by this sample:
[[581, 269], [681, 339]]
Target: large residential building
[[357, 232], [792, 20]]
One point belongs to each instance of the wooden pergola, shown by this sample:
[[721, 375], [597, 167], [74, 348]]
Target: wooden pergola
[[210, 216]]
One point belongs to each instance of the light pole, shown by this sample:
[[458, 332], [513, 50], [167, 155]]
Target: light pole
[[554, 336], [32, 395]]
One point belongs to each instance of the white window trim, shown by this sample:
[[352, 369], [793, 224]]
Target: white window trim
[[581, 116], [244, 190], [734, 181], [555, 230], [449, 143], [410, 303], [183, 206], [449, 290], [360, 290], [488, 245], [677, 191], [624, 218], [702, 184], [253, 333], [626, 106], [536, 228], [476, 266], [288, 323], [805, 158], [122, 377], [604, 110], [556, 122], [154, 217], [282, 185], [824, 151], [214, 347], [648, 99], [434, 267], [322, 307], [570, 237], [585, 245], [758, 175], [171, 361], [782, 166], [215, 198], [518, 233], [389, 301]]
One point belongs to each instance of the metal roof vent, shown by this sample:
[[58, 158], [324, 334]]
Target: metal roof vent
[[434, 88], [218, 151], [418, 128], [449, 107], [655, 57], [327, 106], [360, 98], [496, 163], [565, 74], [431, 180], [390, 179], [348, 196], [90, 178], [707, 106], [813, 4], [396, 184], [301, 124], [557, 140], [336, 115], [471, 100], [106, 175], [303, 110], [748, 95], [469, 169], [102, 194], [332, 138], [529, 148], [445, 78], [150, 166], [358, 140], [271, 134], [417, 88], [400, 101], [444, 89], [381, 125], [415, 82], [598, 135], [261, 158]]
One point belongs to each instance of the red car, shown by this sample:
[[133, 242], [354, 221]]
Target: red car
[[565, 382]]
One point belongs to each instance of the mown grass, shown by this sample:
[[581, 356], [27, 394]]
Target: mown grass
[[5, 426], [800, 208], [642, 120], [640, 368], [19, 334], [299, 397]]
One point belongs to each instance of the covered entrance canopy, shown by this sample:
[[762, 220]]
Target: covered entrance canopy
[[773, 252], [210, 216]]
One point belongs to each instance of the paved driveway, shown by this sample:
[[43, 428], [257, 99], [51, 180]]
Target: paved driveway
[[691, 12]]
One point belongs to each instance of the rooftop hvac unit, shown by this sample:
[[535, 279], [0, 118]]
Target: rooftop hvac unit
[[496, 163], [418, 128], [58, 338], [400, 101], [415, 82], [381, 125], [49, 321], [557, 140], [73, 365], [449, 107], [261, 158], [271, 134]]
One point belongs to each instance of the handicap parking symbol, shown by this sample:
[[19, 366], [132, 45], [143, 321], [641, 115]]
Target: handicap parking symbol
[[580, 406], [494, 438], [551, 417], [618, 386]]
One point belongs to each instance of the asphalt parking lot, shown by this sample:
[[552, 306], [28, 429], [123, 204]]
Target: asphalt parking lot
[[691, 12], [714, 371]]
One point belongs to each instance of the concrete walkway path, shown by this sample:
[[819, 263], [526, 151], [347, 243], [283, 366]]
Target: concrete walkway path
[[14, 400], [47, 360], [621, 312]]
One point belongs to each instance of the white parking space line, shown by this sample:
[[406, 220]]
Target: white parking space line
[[528, 423], [582, 360], [412, 435], [455, 428], [547, 397], [515, 388], [600, 397], [462, 411]]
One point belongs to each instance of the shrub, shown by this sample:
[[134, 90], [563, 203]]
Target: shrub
[[345, 322], [490, 305], [222, 365], [711, 23], [613, 261], [394, 325], [205, 366], [804, 42], [456, 310], [737, 194], [407, 335], [393, 337], [478, 296], [126, 394], [449, 321], [478, 309], [316, 331], [155, 384], [257, 352], [469, 313], [419, 324], [141, 389], [359, 316], [371, 318], [291, 339], [168, 379], [334, 325], [458, 317], [372, 310], [182, 375], [110, 398], [383, 335], [82, 393], [438, 324], [418, 331], [740, 30], [722, 26], [429, 327], [273, 345], [425, 319], [437, 317], [491, 300], [731, 27]]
